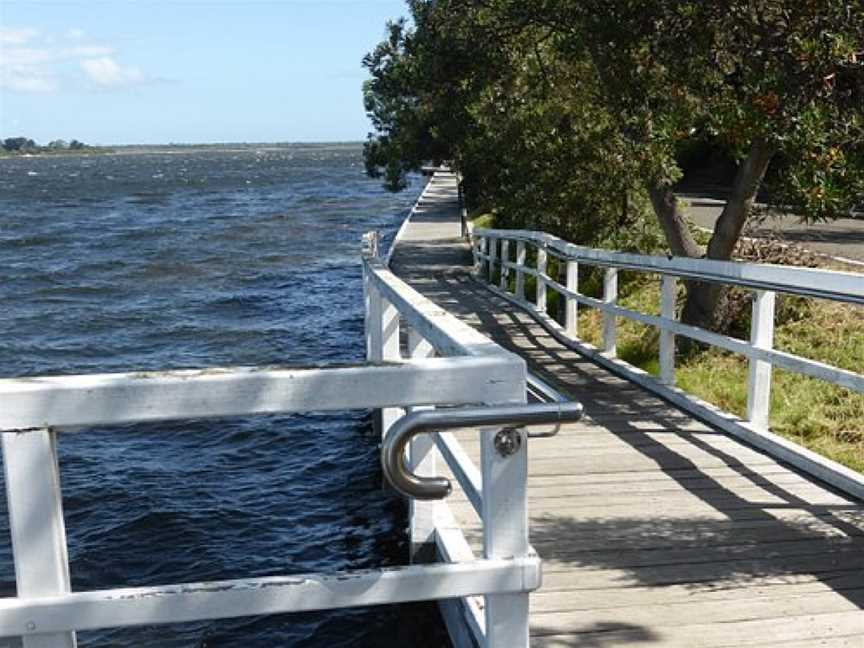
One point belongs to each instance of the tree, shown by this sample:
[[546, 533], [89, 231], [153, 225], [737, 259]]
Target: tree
[[769, 78], [18, 143], [574, 109], [487, 96]]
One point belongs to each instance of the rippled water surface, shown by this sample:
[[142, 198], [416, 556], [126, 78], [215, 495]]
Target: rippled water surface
[[199, 259]]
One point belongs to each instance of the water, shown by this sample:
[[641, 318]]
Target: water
[[198, 259]]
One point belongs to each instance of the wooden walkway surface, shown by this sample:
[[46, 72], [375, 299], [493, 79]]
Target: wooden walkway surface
[[654, 529]]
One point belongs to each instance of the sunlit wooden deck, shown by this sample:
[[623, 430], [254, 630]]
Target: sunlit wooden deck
[[655, 529]]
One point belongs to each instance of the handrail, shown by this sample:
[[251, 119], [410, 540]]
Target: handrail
[[491, 250], [808, 282], [406, 428]]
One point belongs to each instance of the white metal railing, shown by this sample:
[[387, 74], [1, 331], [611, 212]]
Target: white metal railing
[[497, 489], [492, 249], [468, 369]]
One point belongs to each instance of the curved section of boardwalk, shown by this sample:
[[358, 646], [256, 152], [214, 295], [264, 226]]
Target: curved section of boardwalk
[[654, 529]]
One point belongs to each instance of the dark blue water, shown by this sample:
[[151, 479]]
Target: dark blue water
[[201, 259]]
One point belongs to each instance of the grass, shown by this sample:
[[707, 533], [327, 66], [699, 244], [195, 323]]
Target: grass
[[484, 220], [820, 416]]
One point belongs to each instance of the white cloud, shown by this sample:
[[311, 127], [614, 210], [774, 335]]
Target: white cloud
[[17, 36], [31, 63], [28, 82], [107, 73], [86, 51]]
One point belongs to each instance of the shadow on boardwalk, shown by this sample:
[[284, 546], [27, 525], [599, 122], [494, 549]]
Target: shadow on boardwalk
[[654, 528]]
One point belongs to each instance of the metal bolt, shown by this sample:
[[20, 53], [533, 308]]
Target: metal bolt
[[507, 441], [31, 626]]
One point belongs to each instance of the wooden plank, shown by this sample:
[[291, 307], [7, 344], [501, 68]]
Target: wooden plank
[[718, 497], [668, 513], [621, 598], [646, 533], [732, 609], [705, 635], [563, 575], [586, 440], [684, 478], [708, 553]]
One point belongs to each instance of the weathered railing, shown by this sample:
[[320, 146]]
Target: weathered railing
[[469, 370], [36, 411], [506, 251]]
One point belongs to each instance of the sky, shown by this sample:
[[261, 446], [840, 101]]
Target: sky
[[187, 71]]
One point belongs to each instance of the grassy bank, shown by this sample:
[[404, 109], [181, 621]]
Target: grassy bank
[[827, 419]]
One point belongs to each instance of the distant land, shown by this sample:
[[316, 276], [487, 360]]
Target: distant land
[[25, 147]]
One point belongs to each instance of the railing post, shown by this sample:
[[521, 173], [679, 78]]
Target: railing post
[[372, 303], [759, 378], [668, 291], [571, 312], [371, 298], [505, 257], [389, 322], [36, 524], [422, 458], [520, 275], [475, 251], [505, 529], [493, 243], [382, 342], [541, 283], [484, 262], [610, 296]]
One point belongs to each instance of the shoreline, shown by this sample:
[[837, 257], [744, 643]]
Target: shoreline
[[177, 149]]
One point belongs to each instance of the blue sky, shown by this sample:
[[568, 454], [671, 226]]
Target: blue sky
[[159, 71]]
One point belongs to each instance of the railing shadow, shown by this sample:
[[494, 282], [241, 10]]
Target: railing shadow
[[603, 634], [741, 541]]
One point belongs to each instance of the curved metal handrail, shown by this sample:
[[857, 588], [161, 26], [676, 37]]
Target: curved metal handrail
[[403, 430]]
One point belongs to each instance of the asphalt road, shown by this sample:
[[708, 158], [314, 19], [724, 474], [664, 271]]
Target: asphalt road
[[842, 238]]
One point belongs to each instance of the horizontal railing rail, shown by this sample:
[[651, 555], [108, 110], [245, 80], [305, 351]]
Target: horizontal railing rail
[[809, 282], [493, 250]]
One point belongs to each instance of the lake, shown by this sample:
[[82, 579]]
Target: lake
[[202, 258]]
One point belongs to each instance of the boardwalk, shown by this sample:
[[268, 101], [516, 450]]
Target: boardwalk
[[654, 529]]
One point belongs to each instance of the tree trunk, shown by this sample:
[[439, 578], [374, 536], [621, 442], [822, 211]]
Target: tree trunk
[[703, 299], [672, 221]]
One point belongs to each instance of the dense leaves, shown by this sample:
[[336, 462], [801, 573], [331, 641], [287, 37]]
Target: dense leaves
[[571, 115]]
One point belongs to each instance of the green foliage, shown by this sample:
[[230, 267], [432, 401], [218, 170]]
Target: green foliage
[[18, 144], [27, 145], [560, 115]]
